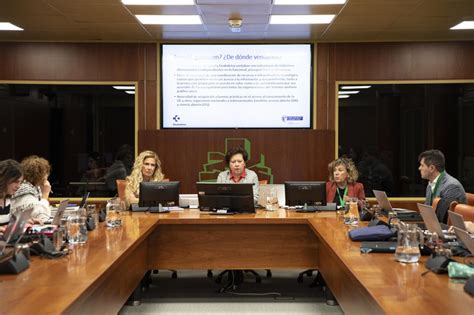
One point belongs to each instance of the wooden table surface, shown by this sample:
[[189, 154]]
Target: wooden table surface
[[377, 283], [99, 276]]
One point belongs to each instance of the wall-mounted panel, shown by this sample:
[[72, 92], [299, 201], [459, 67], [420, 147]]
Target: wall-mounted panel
[[276, 155]]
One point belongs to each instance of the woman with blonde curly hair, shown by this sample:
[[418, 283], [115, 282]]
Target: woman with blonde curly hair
[[147, 168], [342, 182], [35, 188]]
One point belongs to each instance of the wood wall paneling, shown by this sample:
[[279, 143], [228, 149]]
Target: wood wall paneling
[[291, 154], [107, 62], [389, 62]]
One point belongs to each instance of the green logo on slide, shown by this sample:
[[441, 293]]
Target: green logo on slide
[[216, 162]]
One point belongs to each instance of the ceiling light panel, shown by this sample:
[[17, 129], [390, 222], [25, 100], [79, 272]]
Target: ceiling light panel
[[308, 2], [302, 19], [158, 2], [466, 25], [169, 19], [6, 26]]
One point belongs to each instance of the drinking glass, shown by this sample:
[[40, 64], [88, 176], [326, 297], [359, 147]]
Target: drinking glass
[[92, 212], [82, 213], [114, 213], [73, 228], [58, 238], [272, 201], [351, 215]]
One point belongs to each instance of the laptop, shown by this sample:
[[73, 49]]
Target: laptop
[[465, 238], [402, 214], [15, 229], [265, 190], [384, 203], [457, 220], [56, 220], [431, 222]]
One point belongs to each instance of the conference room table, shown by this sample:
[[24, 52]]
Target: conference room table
[[99, 276]]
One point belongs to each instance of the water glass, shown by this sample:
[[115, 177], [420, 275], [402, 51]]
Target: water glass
[[92, 212], [58, 238], [114, 210], [76, 227], [351, 215], [353, 207], [272, 201], [340, 212], [73, 228]]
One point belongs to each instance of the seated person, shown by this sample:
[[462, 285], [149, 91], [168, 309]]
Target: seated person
[[342, 182], [35, 188], [119, 169], [237, 173], [440, 183], [147, 168], [11, 177], [94, 172]]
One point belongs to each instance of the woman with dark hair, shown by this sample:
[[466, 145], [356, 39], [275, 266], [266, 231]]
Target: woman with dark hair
[[342, 182], [35, 188], [237, 173], [11, 176]]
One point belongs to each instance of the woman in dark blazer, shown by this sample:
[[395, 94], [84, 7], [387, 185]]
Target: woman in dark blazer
[[342, 182]]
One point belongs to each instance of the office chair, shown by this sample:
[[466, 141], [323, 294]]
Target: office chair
[[121, 185], [470, 199], [308, 273], [466, 211]]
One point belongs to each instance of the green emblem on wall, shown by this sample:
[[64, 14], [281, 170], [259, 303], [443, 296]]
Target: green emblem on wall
[[216, 162]]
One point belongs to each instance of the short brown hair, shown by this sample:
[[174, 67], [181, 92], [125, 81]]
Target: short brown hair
[[348, 164], [35, 168]]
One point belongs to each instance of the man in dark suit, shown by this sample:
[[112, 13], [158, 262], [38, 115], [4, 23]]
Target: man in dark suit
[[440, 183]]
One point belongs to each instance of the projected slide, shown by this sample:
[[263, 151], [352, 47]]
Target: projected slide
[[236, 86]]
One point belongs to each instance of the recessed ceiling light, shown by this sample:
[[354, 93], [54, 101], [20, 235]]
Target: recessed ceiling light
[[310, 2], [348, 92], [356, 87], [343, 96], [5, 26], [130, 92], [124, 87], [466, 25], [169, 19], [158, 2], [302, 19]]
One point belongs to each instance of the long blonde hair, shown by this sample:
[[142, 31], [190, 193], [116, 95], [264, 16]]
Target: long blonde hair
[[136, 177]]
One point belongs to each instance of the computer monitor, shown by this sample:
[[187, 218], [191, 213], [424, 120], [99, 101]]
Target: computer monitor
[[152, 194], [305, 193], [231, 197]]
